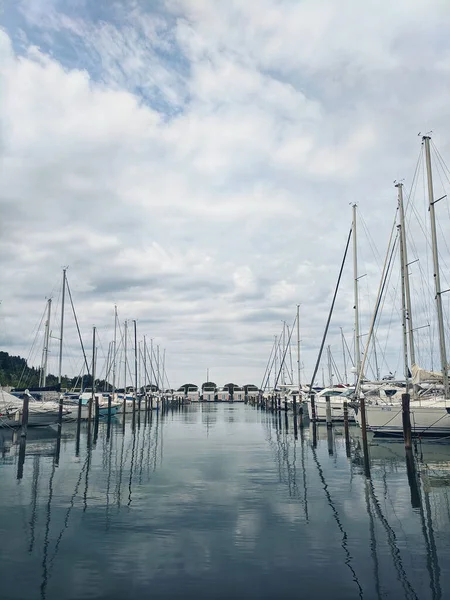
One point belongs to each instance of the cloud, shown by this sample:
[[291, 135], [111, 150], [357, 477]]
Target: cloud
[[194, 163]]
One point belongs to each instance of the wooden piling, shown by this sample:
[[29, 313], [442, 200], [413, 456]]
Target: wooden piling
[[406, 419], [346, 430], [25, 411], [330, 440], [328, 412], [313, 407], [362, 408], [58, 439], [412, 479], [278, 402]]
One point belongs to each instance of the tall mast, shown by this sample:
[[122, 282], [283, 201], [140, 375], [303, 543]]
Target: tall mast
[[114, 353], [437, 277], [343, 356], [93, 372], [283, 368], [62, 325], [145, 365], [404, 324], [298, 350], [43, 376], [409, 318], [135, 360], [276, 356], [330, 370], [125, 355], [356, 300], [157, 367], [151, 363]]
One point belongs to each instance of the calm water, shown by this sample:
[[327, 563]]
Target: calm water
[[220, 501]]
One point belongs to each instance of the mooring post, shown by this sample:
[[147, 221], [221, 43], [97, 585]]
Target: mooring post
[[362, 408], [314, 428], [79, 409], [313, 407], [285, 404], [25, 409], [22, 451], [406, 418], [279, 401], [346, 431], [294, 406], [58, 439], [330, 440], [328, 412], [412, 479]]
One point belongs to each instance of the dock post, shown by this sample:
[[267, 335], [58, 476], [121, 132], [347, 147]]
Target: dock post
[[412, 479], [279, 402], [330, 440], [362, 408], [346, 431], [58, 439], [285, 404], [22, 452], [406, 418], [328, 412], [25, 410], [79, 409], [295, 404], [313, 407]]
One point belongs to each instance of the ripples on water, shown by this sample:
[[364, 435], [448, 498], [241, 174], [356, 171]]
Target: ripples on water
[[220, 501]]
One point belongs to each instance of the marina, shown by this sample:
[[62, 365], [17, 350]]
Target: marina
[[220, 500]]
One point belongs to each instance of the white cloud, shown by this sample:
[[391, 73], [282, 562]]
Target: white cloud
[[195, 166]]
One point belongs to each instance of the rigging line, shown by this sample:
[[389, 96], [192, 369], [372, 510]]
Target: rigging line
[[386, 267], [348, 560], [392, 542], [285, 351], [78, 327], [331, 310], [32, 345]]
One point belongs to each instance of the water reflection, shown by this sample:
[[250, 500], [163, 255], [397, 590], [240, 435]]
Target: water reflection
[[221, 500]]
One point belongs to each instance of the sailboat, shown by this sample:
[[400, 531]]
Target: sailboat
[[339, 394], [39, 413], [430, 415]]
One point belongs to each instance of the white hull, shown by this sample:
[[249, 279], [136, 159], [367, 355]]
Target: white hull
[[36, 418], [431, 420], [337, 410]]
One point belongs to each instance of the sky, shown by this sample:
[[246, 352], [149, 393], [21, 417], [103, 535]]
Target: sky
[[194, 163]]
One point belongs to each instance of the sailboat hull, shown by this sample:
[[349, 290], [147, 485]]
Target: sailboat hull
[[431, 421], [337, 410]]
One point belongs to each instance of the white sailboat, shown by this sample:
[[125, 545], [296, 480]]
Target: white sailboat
[[430, 415], [39, 413]]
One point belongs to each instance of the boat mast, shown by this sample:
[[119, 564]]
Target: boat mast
[[275, 363], [409, 319], [43, 376], [125, 355], [62, 325], [283, 368], [330, 370], [114, 353], [437, 277], [298, 350], [355, 292], [135, 360], [343, 356], [92, 401], [151, 364], [405, 335]]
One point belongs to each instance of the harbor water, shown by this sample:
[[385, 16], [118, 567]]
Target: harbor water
[[220, 501]]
